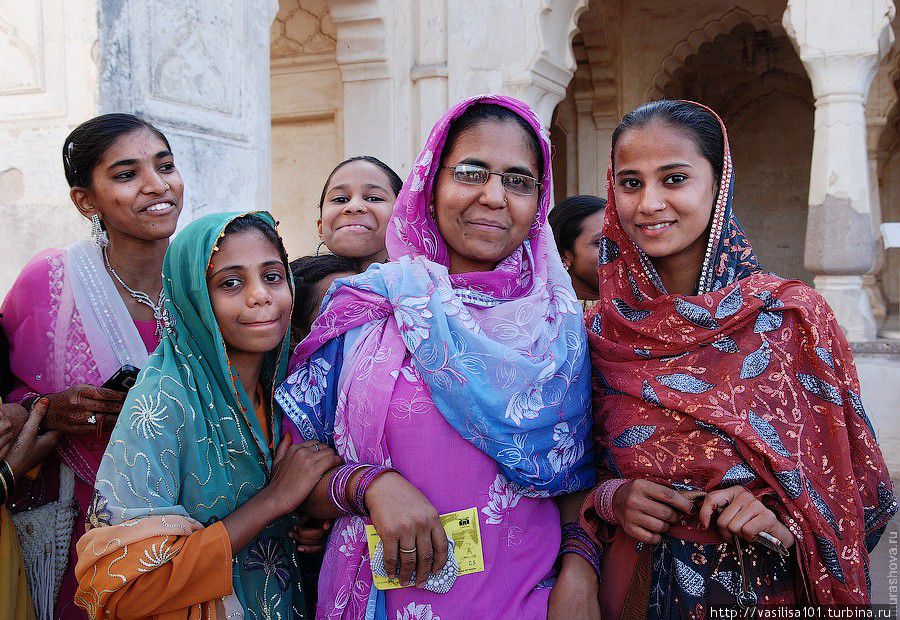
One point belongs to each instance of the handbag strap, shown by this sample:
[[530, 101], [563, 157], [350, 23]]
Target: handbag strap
[[66, 484]]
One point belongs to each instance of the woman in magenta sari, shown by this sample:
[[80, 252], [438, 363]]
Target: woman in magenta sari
[[75, 316], [739, 466], [454, 377]]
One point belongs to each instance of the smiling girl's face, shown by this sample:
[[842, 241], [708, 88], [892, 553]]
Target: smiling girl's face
[[665, 190], [135, 188], [355, 211], [250, 294]]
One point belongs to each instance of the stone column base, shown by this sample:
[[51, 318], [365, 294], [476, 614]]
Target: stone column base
[[876, 299], [850, 302]]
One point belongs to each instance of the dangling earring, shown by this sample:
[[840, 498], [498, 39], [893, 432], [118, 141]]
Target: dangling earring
[[431, 210], [566, 266], [101, 239], [319, 248]]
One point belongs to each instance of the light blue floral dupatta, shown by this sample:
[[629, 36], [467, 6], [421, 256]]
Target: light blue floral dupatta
[[503, 353]]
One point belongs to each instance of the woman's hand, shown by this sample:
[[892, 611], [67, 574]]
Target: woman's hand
[[575, 594], [742, 515], [28, 449], [296, 470], [12, 418], [645, 510], [405, 519], [310, 534], [72, 410]]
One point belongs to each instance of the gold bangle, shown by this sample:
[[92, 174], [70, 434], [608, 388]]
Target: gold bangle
[[9, 479], [5, 495]]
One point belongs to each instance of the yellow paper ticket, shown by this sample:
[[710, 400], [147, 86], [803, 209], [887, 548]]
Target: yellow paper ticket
[[462, 526]]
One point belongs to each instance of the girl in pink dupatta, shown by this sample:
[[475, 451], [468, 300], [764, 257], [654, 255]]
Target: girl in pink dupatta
[[460, 364], [73, 316], [721, 384]]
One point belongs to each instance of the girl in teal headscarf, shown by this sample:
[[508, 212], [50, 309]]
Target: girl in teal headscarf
[[192, 501]]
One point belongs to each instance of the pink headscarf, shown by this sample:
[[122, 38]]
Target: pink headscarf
[[412, 230]]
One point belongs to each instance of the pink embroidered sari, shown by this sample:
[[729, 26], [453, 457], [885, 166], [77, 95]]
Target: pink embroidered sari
[[67, 325]]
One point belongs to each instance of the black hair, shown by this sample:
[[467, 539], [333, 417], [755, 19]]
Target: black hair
[[247, 222], [481, 112], [393, 178], [307, 272], [566, 218], [703, 127], [85, 146]]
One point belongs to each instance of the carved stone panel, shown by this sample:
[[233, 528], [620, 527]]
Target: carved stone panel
[[301, 28], [32, 63], [20, 38], [189, 64]]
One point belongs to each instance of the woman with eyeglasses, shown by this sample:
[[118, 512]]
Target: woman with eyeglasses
[[455, 377]]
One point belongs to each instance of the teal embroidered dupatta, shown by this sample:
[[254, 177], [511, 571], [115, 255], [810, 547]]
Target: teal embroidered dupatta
[[188, 442]]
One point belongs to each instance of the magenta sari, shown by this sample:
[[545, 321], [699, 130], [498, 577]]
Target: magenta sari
[[67, 325]]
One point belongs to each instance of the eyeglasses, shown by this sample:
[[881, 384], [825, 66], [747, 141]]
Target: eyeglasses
[[520, 184]]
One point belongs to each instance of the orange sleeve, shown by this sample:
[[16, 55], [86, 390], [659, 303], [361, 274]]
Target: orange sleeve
[[200, 572]]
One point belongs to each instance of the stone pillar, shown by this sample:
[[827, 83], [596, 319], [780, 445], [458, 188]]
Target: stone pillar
[[521, 48], [874, 127], [841, 64], [375, 68], [605, 124], [200, 72], [588, 150], [429, 74]]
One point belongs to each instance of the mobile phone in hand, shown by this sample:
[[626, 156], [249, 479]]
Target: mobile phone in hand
[[123, 379]]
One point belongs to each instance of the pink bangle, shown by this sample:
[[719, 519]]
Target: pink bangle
[[603, 499], [362, 485]]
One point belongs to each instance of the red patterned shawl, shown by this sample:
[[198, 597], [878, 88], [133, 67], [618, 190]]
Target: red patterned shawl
[[750, 381]]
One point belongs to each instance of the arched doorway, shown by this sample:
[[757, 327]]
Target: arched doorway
[[741, 64], [753, 78]]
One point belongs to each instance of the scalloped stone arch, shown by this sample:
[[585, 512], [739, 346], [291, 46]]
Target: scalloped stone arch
[[553, 67], [558, 25], [744, 99], [690, 45], [887, 105]]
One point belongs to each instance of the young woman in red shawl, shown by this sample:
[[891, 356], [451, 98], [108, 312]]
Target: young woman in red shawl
[[726, 399]]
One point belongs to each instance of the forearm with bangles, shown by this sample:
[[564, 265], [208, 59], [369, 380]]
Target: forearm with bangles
[[576, 541], [341, 491], [362, 475], [603, 499]]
